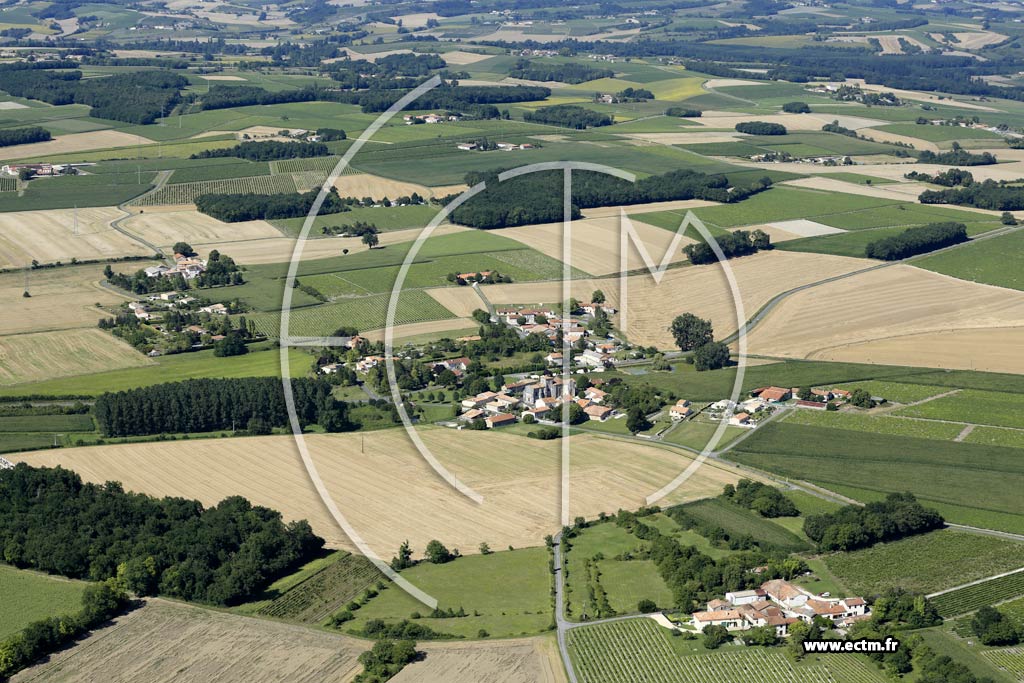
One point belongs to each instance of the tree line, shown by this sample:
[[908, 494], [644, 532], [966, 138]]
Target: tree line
[[24, 136], [988, 194], [529, 198], [249, 206], [920, 240], [957, 156], [853, 526], [568, 116], [571, 72], [269, 150], [206, 405], [51, 521], [734, 244]]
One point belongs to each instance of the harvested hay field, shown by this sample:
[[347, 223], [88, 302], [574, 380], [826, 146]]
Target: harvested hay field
[[49, 236], [875, 309], [533, 660], [432, 327], [62, 298], [461, 57], [901, 192], [164, 228], [991, 350], [35, 357], [728, 119], [378, 187], [888, 136], [801, 227], [167, 641], [978, 40], [75, 142], [361, 470]]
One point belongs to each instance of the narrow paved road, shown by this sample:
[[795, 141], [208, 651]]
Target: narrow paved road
[[161, 180], [975, 583]]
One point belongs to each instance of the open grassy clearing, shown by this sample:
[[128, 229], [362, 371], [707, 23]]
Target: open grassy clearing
[[895, 392], [739, 521], [606, 540], [29, 596], [262, 361], [987, 477], [970, 405], [992, 262], [506, 594], [697, 435], [926, 563], [367, 313], [639, 650], [629, 582], [166, 640], [48, 356], [876, 424], [832, 319], [940, 133], [520, 494], [47, 423]]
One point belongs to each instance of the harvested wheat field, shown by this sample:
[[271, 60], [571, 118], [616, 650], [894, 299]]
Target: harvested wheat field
[[461, 57], [49, 236], [62, 298], [378, 187], [438, 327], [169, 641], [887, 136], [35, 357], [958, 349], [532, 660], [389, 494], [978, 40], [890, 44], [75, 142], [164, 228], [901, 192], [893, 303], [800, 227], [222, 78], [728, 119]]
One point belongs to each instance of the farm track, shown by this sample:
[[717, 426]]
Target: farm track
[[975, 583], [161, 179]]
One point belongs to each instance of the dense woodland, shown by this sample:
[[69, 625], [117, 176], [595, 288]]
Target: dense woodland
[[957, 156], [765, 500], [734, 244], [270, 150], [913, 241], [853, 527], [568, 116], [248, 206], [537, 197], [139, 97], [760, 128], [24, 136], [571, 72], [51, 521], [988, 194], [254, 404]]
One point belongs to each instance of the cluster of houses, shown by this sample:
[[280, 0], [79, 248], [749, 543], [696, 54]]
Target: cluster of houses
[[502, 146], [37, 170], [189, 267], [780, 604], [411, 119], [763, 401], [548, 322], [785, 157], [538, 396]]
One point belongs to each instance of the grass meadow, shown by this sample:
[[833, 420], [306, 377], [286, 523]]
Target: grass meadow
[[29, 596], [992, 262]]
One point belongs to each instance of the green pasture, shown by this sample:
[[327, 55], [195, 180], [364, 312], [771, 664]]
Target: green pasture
[[28, 596], [973, 406], [994, 261]]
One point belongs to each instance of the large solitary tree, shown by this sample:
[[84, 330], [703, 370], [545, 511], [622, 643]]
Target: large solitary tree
[[691, 332]]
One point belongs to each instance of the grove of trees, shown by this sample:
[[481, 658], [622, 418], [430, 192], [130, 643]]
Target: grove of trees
[[988, 194], [569, 116], [736, 243], [24, 136], [248, 206], [765, 500], [268, 151], [571, 72], [760, 128], [852, 527], [920, 240]]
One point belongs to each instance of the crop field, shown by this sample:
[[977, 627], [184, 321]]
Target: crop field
[[367, 313], [739, 521], [185, 193], [926, 563], [8, 184], [520, 494], [972, 597], [991, 261], [640, 651], [994, 436], [164, 228], [940, 133], [34, 357], [219, 169], [76, 142], [29, 596], [46, 423], [971, 405], [854, 242], [68, 192], [895, 392], [261, 361], [988, 478], [840, 320], [173, 641], [1008, 659], [876, 424], [532, 660], [386, 218], [325, 592], [505, 593]]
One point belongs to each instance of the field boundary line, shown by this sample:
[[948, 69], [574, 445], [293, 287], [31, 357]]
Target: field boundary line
[[975, 583]]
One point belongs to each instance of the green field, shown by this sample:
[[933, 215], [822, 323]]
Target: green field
[[257, 363], [994, 261], [987, 593], [505, 593], [970, 405], [629, 582], [988, 478], [739, 521], [926, 563], [314, 598], [940, 133], [996, 436], [28, 596], [639, 650], [876, 424], [47, 423], [853, 243]]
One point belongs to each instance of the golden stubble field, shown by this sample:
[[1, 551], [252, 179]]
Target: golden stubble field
[[167, 642], [899, 315], [389, 494], [701, 290], [50, 236], [62, 353], [527, 660], [74, 142], [62, 298], [164, 228]]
